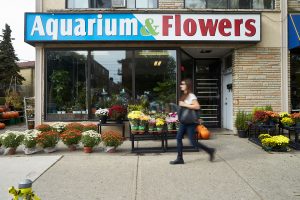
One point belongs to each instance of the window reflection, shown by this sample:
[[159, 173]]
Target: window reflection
[[217, 4], [295, 81], [155, 76], [78, 4], [66, 85], [142, 4]]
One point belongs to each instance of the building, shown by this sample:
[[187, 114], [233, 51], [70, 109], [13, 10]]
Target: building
[[27, 71], [233, 50]]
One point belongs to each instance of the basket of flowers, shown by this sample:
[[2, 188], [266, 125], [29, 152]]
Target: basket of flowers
[[274, 143], [48, 140], [159, 122], [111, 140], [134, 119], [71, 138], [102, 113]]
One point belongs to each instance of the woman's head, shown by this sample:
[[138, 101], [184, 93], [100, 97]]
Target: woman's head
[[186, 85]]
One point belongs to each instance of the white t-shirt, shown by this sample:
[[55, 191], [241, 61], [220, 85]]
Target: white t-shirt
[[189, 99]]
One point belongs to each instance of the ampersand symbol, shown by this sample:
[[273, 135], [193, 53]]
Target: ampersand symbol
[[149, 29]]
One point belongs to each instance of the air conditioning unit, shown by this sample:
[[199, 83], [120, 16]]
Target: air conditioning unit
[[118, 3]]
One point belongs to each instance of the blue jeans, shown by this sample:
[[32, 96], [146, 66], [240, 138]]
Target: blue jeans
[[190, 129]]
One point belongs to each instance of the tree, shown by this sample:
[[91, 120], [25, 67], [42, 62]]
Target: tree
[[9, 70]]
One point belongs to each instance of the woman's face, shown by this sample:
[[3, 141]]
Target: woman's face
[[182, 86]]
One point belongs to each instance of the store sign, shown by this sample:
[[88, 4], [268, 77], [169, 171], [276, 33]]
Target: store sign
[[293, 30], [141, 27]]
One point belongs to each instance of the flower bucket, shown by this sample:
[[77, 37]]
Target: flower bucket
[[87, 149], [110, 149], [134, 127], [10, 151], [170, 126]]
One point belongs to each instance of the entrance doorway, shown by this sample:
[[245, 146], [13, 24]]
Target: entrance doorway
[[212, 88]]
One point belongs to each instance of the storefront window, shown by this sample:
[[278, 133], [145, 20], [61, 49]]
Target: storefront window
[[295, 81], [195, 3], [155, 78], [66, 93], [111, 78], [142, 4]]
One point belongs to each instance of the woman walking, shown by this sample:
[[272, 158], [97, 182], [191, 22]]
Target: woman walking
[[189, 100]]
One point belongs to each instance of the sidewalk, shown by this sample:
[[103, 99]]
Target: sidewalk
[[241, 171]]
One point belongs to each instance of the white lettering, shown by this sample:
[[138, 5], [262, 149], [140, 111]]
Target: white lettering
[[66, 28], [38, 26], [52, 28], [91, 23], [111, 27], [128, 24], [99, 25], [80, 28]]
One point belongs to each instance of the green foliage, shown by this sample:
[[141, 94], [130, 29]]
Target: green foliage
[[60, 85], [8, 66], [241, 120], [165, 91], [11, 140]]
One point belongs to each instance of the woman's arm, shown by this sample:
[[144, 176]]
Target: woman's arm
[[195, 105]]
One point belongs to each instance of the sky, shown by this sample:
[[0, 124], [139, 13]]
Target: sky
[[12, 13]]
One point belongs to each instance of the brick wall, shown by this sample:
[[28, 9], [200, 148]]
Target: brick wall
[[171, 4], [256, 78], [277, 5]]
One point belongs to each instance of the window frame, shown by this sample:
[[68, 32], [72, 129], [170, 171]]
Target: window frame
[[89, 59]]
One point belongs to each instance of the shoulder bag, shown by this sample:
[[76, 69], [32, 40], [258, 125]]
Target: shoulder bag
[[187, 116]]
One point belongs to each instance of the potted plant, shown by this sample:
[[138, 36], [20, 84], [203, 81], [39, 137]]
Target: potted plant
[[241, 123], [144, 122], [274, 143], [111, 140], [160, 122], [30, 141], [43, 127], [296, 118], [89, 140], [11, 140], [287, 122], [48, 140], [59, 127], [117, 112], [102, 113], [90, 126], [134, 119], [75, 125], [71, 138]]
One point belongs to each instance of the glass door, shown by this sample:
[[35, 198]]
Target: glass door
[[207, 79]]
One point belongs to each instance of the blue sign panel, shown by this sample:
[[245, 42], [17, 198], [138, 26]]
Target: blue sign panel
[[293, 29], [141, 27]]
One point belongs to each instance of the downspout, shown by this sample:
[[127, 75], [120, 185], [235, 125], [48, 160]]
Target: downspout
[[284, 57]]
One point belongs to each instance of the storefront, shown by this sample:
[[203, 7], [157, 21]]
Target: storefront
[[86, 57]]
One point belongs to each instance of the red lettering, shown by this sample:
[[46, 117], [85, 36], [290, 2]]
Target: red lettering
[[189, 27], [237, 27], [209, 26], [177, 25], [166, 25], [225, 24], [249, 25]]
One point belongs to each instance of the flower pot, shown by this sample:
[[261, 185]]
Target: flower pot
[[87, 149], [159, 129], [50, 149], [29, 151], [110, 149], [242, 133], [170, 126], [10, 151], [103, 119], [134, 127], [72, 147]]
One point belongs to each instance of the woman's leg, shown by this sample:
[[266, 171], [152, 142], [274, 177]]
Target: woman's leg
[[179, 137], [192, 137]]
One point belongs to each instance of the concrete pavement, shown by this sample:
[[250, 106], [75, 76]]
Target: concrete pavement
[[241, 171]]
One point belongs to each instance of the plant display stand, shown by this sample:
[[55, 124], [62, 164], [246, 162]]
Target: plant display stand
[[29, 112], [122, 125]]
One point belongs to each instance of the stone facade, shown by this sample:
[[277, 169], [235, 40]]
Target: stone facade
[[256, 78], [171, 4], [294, 5]]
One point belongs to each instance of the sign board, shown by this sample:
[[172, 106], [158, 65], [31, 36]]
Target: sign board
[[41, 27]]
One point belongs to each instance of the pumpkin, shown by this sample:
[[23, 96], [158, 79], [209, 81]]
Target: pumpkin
[[2, 125], [1, 110], [203, 132], [4, 115]]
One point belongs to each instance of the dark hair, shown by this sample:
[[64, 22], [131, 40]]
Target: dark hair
[[189, 88]]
